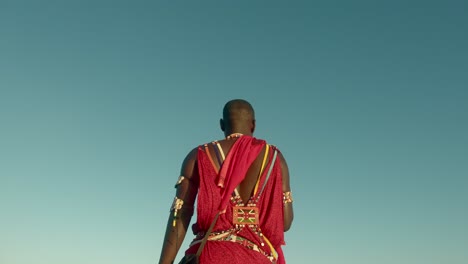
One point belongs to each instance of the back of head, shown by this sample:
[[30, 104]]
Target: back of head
[[238, 117]]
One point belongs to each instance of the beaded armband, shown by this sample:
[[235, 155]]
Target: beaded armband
[[287, 197], [179, 181], [176, 206]]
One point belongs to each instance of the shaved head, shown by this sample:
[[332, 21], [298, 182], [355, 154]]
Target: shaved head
[[238, 109], [238, 115]]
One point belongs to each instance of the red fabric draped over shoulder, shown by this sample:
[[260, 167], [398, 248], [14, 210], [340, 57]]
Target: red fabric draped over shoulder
[[244, 151]]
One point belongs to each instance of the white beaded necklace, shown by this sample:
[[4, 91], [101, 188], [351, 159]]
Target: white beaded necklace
[[234, 135]]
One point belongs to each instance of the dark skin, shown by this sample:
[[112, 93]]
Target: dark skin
[[238, 117]]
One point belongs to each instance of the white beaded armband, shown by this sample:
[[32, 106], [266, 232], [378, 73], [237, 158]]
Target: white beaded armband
[[179, 181]]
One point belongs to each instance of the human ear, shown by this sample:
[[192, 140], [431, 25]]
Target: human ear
[[221, 124]]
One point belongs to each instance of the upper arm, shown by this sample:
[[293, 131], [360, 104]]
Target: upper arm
[[188, 187], [188, 169], [284, 173], [288, 213]]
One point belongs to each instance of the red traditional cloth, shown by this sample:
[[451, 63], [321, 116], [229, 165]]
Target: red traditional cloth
[[244, 151], [211, 198]]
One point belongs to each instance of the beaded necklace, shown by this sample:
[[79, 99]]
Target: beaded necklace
[[234, 135]]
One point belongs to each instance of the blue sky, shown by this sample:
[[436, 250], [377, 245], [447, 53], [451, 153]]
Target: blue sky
[[101, 100]]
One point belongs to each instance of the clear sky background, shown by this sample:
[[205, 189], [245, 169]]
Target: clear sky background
[[101, 100]]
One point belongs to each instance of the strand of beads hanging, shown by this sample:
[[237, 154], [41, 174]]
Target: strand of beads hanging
[[176, 206], [234, 135]]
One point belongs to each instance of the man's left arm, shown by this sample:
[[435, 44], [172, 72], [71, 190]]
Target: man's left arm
[[288, 213]]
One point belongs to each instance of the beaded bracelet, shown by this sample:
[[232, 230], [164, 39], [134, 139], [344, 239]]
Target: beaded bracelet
[[287, 197], [176, 206]]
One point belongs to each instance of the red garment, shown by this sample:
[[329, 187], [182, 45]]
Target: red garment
[[244, 151], [270, 206]]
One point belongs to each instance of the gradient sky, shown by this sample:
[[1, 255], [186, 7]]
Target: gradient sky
[[101, 100]]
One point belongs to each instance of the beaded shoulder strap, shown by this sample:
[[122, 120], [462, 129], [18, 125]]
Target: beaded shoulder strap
[[275, 154], [208, 232], [219, 152], [207, 151], [267, 148]]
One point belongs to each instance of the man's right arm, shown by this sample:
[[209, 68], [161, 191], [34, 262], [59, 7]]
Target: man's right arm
[[177, 225]]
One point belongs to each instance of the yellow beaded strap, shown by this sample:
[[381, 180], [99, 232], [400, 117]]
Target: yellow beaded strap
[[220, 150], [287, 197], [176, 206], [272, 248], [272, 164], [261, 168]]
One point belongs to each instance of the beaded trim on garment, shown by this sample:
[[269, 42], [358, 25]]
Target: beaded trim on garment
[[230, 236]]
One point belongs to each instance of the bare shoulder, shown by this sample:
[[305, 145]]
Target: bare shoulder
[[284, 169], [284, 164], [189, 163], [192, 154], [280, 154]]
